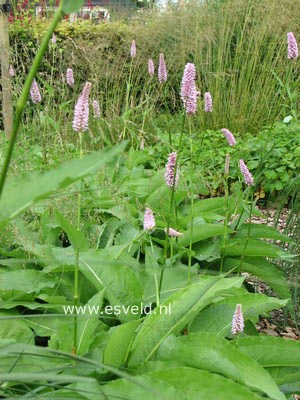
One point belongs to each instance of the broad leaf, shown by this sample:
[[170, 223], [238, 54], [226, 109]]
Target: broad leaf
[[202, 232], [118, 345], [218, 316], [212, 353], [35, 186], [263, 270], [259, 231], [253, 248], [184, 307], [76, 237], [88, 323]]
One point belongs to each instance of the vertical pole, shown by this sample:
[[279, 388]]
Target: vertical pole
[[7, 107]]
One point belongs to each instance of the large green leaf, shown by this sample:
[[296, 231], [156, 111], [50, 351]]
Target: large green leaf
[[122, 287], [253, 248], [271, 351], [23, 191], [15, 328], [13, 284], [202, 232], [259, 231], [184, 306], [218, 316], [88, 323], [265, 271], [182, 383], [117, 347], [210, 352]]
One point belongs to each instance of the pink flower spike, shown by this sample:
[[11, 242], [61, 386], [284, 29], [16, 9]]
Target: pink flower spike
[[237, 324], [96, 109], [35, 92], [11, 71], [162, 69], [81, 112], [229, 136], [208, 107], [70, 77], [188, 91], [170, 178], [292, 46], [133, 49], [150, 67], [149, 221], [53, 39], [247, 175], [172, 232]]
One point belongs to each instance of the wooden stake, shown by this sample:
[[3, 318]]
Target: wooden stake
[[7, 106]]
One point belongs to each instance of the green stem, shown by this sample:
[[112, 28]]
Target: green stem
[[225, 221], [24, 95], [76, 269], [171, 207], [192, 209]]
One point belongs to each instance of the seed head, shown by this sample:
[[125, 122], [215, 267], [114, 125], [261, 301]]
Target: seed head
[[133, 49], [96, 109]]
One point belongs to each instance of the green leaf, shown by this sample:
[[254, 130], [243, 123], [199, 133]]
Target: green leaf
[[259, 231], [177, 384], [76, 238], [122, 287], [271, 351], [35, 186], [263, 270], [184, 306], [70, 6], [118, 345], [252, 248], [15, 328], [26, 281], [210, 352], [218, 316], [88, 323], [201, 232]]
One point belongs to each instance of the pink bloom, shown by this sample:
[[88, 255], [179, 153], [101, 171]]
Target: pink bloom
[[208, 102], [96, 109], [70, 77], [247, 175], [149, 221], [150, 67], [237, 324], [188, 91], [133, 49], [292, 46], [172, 232], [53, 40], [170, 178], [35, 93], [229, 136], [81, 112], [11, 71], [162, 69]]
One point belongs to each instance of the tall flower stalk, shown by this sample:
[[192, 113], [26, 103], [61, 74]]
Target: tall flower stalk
[[80, 124], [128, 86]]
